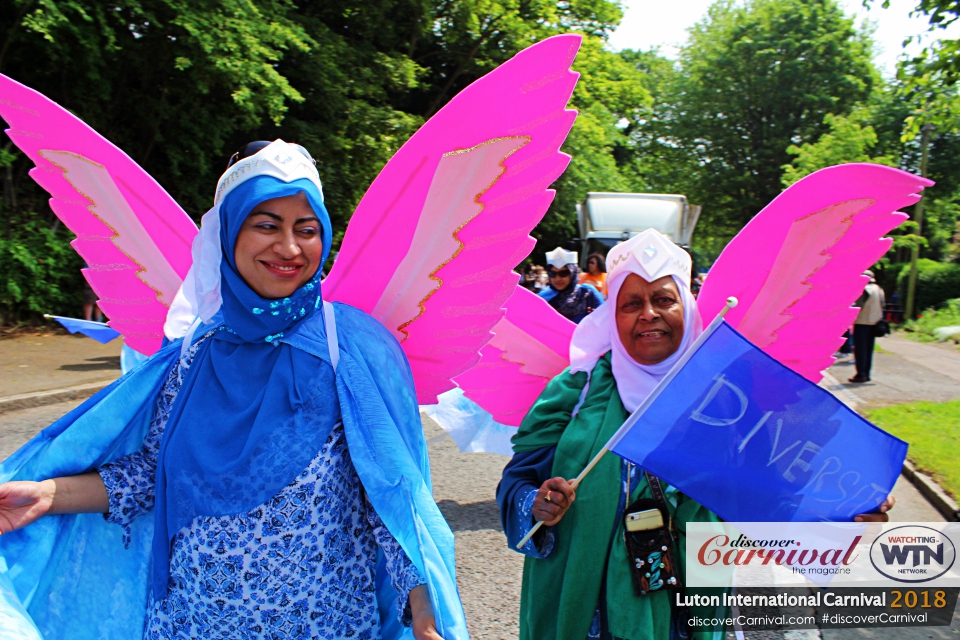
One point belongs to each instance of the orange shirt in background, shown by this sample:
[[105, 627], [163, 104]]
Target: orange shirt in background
[[599, 281]]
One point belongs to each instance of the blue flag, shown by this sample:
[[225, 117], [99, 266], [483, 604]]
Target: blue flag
[[754, 441], [99, 331]]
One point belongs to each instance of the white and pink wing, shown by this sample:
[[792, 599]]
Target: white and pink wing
[[531, 345], [132, 234], [797, 266], [431, 248]]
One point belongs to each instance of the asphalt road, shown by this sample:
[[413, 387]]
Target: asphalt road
[[904, 371], [41, 362]]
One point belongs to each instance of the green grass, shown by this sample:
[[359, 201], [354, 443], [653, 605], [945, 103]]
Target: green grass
[[922, 328], [933, 431]]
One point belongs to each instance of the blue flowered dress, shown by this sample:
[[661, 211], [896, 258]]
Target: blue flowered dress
[[301, 565]]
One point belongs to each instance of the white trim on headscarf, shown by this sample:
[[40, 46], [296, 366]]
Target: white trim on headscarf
[[199, 295], [651, 255]]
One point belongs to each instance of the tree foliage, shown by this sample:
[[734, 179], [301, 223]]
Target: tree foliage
[[754, 79], [180, 85], [764, 92], [848, 140], [941, 59], [928, 101]]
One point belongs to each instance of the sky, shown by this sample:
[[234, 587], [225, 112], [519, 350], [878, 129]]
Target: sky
[[650, 23]]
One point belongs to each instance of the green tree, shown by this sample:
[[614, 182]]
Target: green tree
[[941, 59], [166, 81], [929, 96], [754, 79], [848, 140], [610, 99], [179, 86]]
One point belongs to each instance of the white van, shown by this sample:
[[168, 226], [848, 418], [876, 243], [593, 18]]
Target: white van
[[608, 218]]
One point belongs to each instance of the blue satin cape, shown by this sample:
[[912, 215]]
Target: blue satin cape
[[69, 577]]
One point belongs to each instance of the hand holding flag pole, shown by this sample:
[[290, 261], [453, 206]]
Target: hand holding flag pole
[[635, 416]]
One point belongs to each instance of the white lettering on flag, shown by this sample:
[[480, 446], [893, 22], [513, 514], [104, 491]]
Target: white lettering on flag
[[721, 381]]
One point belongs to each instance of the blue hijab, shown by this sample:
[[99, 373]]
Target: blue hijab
[[252, 411]]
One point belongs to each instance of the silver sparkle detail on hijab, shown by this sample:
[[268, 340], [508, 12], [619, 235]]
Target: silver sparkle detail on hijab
[[650, 255]]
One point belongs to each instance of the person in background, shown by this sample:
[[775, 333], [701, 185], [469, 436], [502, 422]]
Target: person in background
[[596, 274], [696, 284], [91, 311], [573, 301], [871, 303], [529, 278], [543, 280]]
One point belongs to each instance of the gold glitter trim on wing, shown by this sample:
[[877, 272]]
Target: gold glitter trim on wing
[[847, 221], [503, 356], [140, 268], [19, 107], [460, 245]]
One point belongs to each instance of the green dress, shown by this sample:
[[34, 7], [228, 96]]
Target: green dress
[[561, 592]]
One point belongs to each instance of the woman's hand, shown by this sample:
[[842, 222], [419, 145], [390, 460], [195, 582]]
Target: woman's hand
[[881, 514], [24, 502], [552, 501], [424, 624]]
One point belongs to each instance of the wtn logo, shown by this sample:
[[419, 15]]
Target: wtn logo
[[897, 554], [912, 553]]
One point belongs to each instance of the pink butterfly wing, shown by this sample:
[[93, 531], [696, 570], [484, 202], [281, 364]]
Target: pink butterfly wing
[[531, 345], [797, 266], [431, 248], [132, 234]]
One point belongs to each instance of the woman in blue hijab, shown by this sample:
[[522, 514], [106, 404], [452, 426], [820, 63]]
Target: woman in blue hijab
[[283, 468]]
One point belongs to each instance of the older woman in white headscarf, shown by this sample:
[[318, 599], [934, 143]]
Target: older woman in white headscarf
[[577, 579]]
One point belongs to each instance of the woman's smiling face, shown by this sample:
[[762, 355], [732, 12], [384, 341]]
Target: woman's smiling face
[[279, 246], [650, 318]]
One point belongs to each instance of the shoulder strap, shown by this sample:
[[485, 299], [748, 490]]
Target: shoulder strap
[[657, 491], [188, 338], [330, 323]]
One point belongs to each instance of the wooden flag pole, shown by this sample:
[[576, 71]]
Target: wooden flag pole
[[731, 303]]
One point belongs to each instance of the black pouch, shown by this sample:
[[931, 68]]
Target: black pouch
[[881, 329], [650, 543]]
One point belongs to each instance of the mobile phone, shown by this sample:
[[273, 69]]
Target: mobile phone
[[644, 520]]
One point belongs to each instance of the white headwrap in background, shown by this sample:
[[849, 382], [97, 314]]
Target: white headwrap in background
[[650, 255], [560, 258]]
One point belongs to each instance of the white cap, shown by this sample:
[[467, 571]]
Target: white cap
[[278, 159], [651, 255], [560, 258]]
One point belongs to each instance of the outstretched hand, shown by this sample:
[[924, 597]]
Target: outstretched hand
[[24, 502]]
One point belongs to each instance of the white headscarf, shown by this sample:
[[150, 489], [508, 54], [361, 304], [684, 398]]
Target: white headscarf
[[650, 255]]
